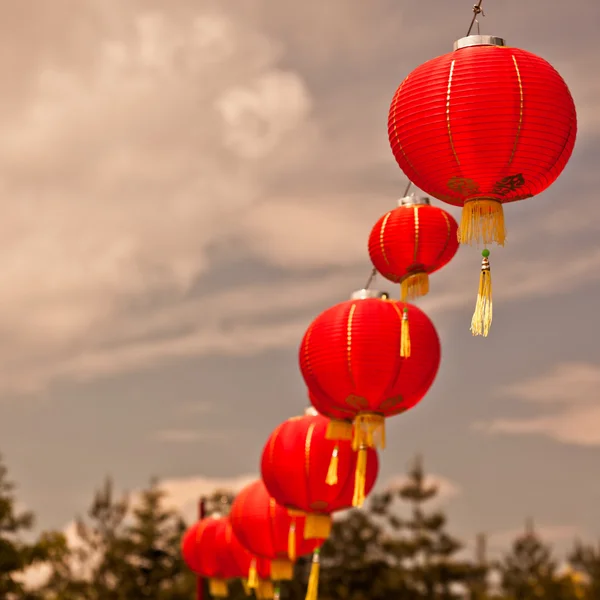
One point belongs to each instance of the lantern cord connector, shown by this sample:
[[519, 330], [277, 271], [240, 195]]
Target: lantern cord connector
[[477, 10]]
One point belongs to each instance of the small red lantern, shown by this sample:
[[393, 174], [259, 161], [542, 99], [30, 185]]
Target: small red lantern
[[358, 358], [255, 572], [412, 241], [304, 471], [206, 555], [483, 126], [267, 530]]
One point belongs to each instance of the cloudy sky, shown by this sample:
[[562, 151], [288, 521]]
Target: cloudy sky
[[185, 185]]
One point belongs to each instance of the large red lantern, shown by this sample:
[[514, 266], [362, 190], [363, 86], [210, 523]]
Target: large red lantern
[[205, 553], [267, 530], [306, 472], [483, 126], [412, 241], [354, 359]]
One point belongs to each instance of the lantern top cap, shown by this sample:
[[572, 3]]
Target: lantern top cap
[[364, 294], [311, 411], [478, 40], [414, 200]]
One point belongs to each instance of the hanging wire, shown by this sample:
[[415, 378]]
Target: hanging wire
[[477, 10], [373, 273]]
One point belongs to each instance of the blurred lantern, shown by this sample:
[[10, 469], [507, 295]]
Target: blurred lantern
[[313, 476], [267, 530], [205, 553], [358, 357], [412, 241], [480, 127], [240, 563]]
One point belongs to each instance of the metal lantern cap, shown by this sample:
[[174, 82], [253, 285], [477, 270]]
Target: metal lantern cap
[[311, 411], [414, 200], [478, 40], [364, 294]]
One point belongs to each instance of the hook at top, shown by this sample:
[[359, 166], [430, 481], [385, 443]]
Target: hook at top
[[477, 10]]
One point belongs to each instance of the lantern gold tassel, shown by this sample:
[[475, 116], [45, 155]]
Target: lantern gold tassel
[[292, 540], [369, 431], [338, 430], [253, 575], [405, 335], [414, 286], [218, 588], [317, 526], [332, 471], [482, 317], [359, 477], [482, 221], [312, 591], [282, 570], [265, 590], [247, 589]]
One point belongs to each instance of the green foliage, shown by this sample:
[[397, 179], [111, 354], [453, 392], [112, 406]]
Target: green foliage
[[397, 547]]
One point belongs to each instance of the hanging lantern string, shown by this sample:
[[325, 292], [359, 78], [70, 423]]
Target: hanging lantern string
[[477, 10], [373, 273]]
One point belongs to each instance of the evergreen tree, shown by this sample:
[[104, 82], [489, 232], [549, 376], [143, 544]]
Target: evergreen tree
[[15, 554], [585, 559], [529, 571]]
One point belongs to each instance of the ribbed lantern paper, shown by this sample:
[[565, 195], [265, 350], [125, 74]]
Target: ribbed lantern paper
[[412, 241], [267, 530], [306, 472], [480, 127], [369, 358], [206, 555]]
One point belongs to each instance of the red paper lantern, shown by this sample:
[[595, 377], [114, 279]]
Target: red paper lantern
[[240, 563], [412, 241], [205, 553], [359, 357], [483, 126], [267, 530], [304, 471]]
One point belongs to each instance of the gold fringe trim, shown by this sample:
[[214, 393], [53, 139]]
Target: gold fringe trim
[[317, 527], [405, 348], [312, 590], [282, 570], [292, 540], [332, 471], [360, 476], [253, 575], [369, 431], [414, 286], [338, 430], [482, 221], [218, 588], [482, 317], [265, 590]]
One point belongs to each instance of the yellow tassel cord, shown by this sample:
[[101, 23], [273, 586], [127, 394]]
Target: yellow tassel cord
[[369, 432], [317, 527], [413, 286], [338, 430], [312, 591], [332, 471], [292, 540], [282, 570], [405, 335], [253, 575], [265, 590], [360, 475], [482, 221], [247, 588], [482, 317], [218, 588]]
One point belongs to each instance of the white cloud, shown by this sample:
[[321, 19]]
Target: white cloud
[[567, 397]]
